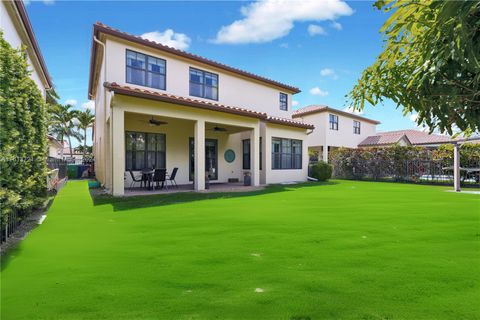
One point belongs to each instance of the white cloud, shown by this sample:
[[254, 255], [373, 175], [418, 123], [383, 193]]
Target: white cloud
[[267, 20], [89, 105], [314, 30], [169, 38], [318, 92], [351, 110], [295, 103], [72, 102], [284, 45], [328, 72], [336, 25]]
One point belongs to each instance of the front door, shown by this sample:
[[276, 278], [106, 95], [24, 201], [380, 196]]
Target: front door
[[211, 158]]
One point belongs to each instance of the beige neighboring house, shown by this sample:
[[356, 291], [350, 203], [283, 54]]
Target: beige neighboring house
[[408, 137], [334, 128], [17, 31], [156, 106], [54, 147], [76, 157]]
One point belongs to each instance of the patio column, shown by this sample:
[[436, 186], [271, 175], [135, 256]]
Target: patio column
[[325, 153], [456, 167], [118, 151], [199, 153], [255, 155]]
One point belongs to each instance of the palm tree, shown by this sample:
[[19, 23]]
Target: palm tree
[[62, 124], [85, 121]]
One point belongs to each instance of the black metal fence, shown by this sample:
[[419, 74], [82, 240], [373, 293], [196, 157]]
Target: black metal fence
[[9, 225], [11, 221], [411, 171], [61, 165]]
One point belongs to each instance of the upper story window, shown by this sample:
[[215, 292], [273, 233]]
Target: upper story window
[[203, 84], [333, 119], [283, 101], [356, 127], [145, 70]]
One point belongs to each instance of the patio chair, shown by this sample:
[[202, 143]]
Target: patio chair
[[160, 175], [171, 177], [135, 179]]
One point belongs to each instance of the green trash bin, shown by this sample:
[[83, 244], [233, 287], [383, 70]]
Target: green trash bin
[[72, 171]]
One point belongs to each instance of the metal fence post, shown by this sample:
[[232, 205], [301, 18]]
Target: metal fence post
[[456, 167]]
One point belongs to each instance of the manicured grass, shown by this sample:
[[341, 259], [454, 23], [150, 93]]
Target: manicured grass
[[343, 250]]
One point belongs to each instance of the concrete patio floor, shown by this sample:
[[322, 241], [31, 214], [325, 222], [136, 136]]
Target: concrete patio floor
[[214, 187]]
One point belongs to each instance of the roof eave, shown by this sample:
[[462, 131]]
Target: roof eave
[[187, 102], [31, 35], [325, 109]]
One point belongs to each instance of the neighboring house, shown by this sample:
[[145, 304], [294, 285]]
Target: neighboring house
[[18, 32], [156, 106], [54, 147], [405, 138], [76, 156], [333, 129]]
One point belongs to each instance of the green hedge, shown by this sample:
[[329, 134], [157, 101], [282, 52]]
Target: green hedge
[[23, 134], [321, 171]]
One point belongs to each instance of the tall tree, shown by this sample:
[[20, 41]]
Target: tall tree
[[430, 64], [85, 121], [63, 125]]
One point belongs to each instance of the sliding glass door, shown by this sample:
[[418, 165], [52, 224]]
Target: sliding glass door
[[211, 158]]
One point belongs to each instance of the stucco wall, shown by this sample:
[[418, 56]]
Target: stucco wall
[[14, 33], [284, 175], [343, 137], [233, 89], [177, 133]]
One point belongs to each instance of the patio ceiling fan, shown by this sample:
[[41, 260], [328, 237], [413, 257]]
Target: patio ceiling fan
[[154, 122], [218, 129]]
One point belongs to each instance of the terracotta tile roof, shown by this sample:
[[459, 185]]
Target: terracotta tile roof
[[102, 28], [312, 109], [31, 36], [291, 122], [170, 98], [415, 137]]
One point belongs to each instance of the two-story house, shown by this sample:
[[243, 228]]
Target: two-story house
[[334, 129], [160, 107], [17, 31]]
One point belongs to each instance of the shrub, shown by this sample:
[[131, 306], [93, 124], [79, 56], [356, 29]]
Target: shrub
[[322, 171], [23, 134]]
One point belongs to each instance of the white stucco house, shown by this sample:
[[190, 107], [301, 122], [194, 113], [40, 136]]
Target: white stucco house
[[17, 31], [334, 129], [160, 107], [54, 147]]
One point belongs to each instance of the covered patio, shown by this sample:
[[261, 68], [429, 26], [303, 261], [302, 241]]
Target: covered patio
[[204, 144]]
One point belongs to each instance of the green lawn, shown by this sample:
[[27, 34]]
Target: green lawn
[[343, 250]]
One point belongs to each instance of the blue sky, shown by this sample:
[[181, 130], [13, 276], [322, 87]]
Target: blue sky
[[320, 49]]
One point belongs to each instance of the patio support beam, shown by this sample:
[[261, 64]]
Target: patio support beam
[[255, 155], [199, 154], [456, 167], [117, 121]]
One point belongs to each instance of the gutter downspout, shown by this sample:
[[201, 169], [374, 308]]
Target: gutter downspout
[[105, 106]]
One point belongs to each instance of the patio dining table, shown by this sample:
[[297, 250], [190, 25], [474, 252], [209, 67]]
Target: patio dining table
[[147, 177]]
